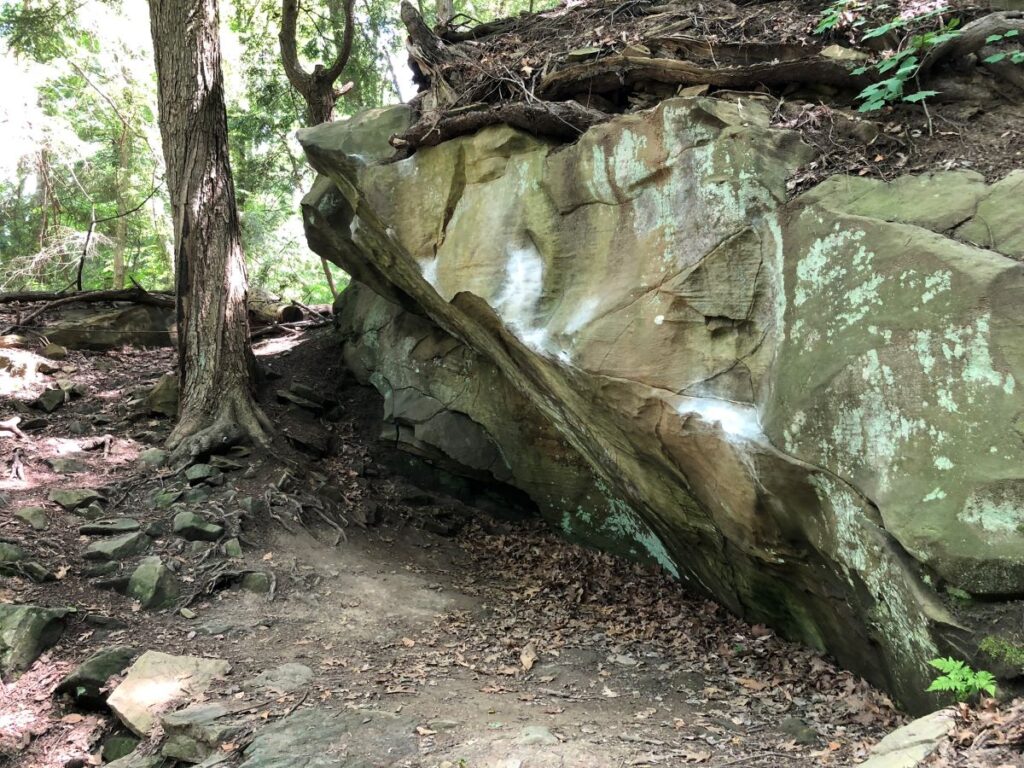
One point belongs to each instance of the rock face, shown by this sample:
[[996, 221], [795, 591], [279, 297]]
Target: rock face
[[809, 408], [158, 681], [25, 632], [136, 325]]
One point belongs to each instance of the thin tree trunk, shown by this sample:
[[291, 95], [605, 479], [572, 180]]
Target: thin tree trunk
[[216, 405], [121, 223]]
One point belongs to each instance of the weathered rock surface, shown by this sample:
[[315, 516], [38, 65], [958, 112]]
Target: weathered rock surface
[[317, 738], [137, 325], [153, 584], [86, 682], [907, 747], [163, 397], [25, 632], [157, 681], [194, 527], [74, 498], [35, 517], [117, 547], [808, 408]]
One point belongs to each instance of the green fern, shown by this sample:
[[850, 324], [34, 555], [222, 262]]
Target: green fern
[[960, 680]]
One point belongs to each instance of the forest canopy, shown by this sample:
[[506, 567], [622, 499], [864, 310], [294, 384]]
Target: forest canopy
[[81, 169]]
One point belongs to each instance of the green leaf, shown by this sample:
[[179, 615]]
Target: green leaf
[[859, 71], [871, 106], [920, 96], [879, 31], [995, 58], [1017, 57], [993, 38], [1012, 33]]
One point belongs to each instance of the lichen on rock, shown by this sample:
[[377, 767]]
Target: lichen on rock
[[808, 409]]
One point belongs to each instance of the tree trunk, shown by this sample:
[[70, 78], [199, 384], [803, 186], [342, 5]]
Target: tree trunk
[[216, 407], [121, 223]]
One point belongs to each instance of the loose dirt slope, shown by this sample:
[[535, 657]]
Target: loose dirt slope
[[492, 641]]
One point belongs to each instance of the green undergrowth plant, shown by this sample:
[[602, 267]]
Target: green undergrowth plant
[[900, 64], [960, 680], [1010, 36]]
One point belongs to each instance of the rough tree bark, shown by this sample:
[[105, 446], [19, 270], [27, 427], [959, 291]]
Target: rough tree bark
[[216, 406]]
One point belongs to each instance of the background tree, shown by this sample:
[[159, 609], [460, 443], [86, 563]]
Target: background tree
[[216, 404], [317, 87]]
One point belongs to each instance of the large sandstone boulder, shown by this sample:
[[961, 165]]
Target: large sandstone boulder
[[809, 409]]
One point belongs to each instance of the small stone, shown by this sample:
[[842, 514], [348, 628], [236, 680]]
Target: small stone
[[164, 499], [199, 547], [92, 570], [153, 457], [85, 684], [295, 399], [78, 427], [38, 572], [34, 516], [202, 473], [109, 527], [118, 547], [443, 725], [153, 584], [911, 744], [117, 584], [536, 735], [581, 54], [798, 730], [104, 622], [156, 681], [188, 613], [25, 632], [74, 498], [117, 746], [285, 678], [55, 351], [196, 495], [93, 512], [194, 527], [50, 400], [194, 733], [66, 466], [842, 53], [163, 397], [10, 553], [257, 581], [233, 548]]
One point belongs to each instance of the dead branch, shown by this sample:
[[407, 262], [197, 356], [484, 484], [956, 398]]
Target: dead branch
[[614, 72], [136, 295], [563, 120]]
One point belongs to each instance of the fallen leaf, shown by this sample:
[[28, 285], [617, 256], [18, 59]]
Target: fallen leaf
[[422, 731], [72, 718], [751, 684], [608, 692]]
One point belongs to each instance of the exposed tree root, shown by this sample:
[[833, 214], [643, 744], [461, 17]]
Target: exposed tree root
[[235, 420], [559, 120], [529, 71], [614, 72]]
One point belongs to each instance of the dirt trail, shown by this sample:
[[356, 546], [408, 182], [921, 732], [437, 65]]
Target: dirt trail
[[452, 637]]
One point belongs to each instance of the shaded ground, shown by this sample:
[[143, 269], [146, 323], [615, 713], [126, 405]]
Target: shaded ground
[[491, 642]]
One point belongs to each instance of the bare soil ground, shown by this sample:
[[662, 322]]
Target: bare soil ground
[[495, 641]]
